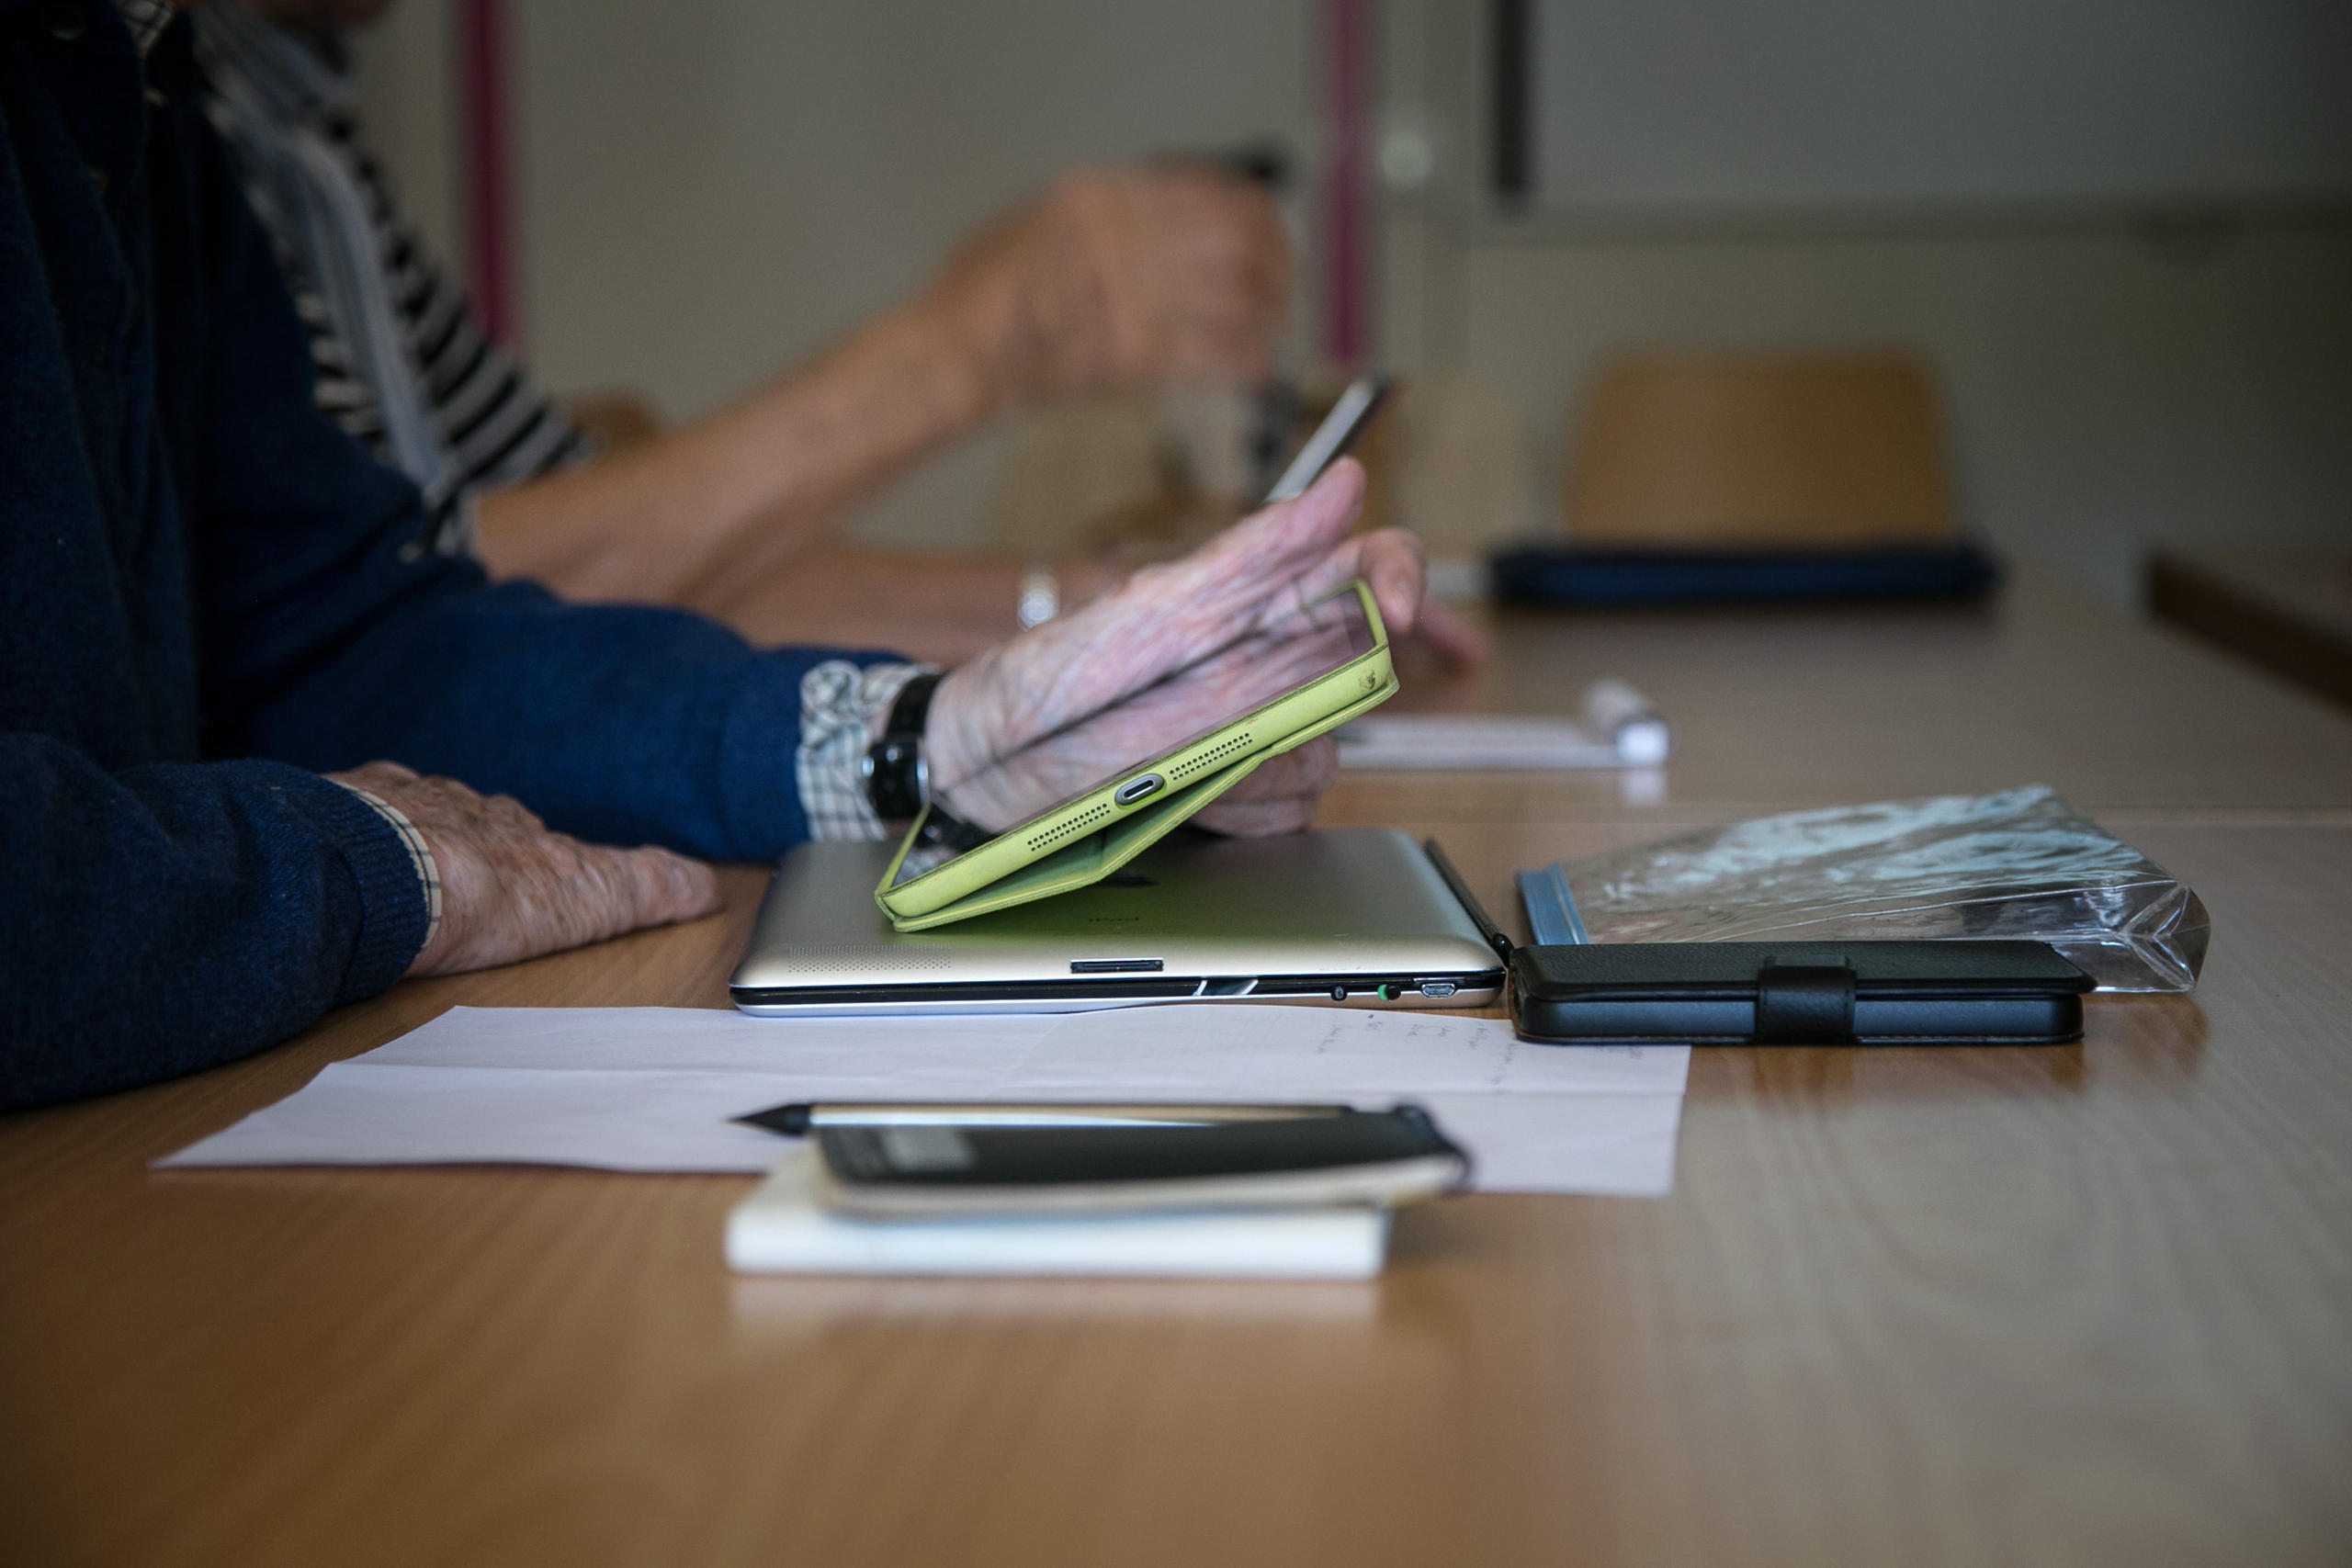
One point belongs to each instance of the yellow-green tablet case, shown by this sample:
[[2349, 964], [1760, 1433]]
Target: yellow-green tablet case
[[1023, 863]]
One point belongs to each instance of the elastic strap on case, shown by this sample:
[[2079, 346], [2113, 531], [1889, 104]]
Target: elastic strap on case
[[1805, 1004]]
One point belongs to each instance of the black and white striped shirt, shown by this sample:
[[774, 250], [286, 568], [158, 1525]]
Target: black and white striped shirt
[[480, 421], [404, 365]]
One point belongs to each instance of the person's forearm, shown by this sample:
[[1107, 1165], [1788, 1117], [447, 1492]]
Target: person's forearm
[[751, 485], [171, 918], [619, 724]]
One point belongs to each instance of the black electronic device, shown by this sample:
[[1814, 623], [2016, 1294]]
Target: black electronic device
[[1567, 577], [1798, 993], [934, 1171], [1361, 399]]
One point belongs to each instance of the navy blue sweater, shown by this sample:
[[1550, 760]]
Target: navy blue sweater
[[209, 595]]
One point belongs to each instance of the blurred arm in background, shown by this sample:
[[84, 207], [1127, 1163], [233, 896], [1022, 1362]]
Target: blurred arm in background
[[1113, 278]]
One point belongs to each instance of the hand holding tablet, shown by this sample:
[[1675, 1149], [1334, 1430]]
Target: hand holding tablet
[[1223, 669]]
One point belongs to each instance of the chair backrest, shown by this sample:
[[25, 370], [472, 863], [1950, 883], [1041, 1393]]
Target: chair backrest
[[1721, 448]]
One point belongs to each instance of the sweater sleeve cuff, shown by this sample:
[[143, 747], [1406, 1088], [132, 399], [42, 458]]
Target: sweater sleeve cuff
[[420, 855], [399, 886]]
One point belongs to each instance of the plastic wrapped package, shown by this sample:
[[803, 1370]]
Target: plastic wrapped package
[[2021, 863]]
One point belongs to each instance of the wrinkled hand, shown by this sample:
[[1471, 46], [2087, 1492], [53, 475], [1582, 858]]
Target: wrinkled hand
[[511, 890], [1162, 623], [1117, 278]]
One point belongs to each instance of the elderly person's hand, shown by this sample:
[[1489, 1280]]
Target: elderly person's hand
[[512, 890], [1164, 651], [1117, 278], [1154, 644]]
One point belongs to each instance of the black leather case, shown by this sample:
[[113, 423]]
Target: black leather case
[[1798, 993]]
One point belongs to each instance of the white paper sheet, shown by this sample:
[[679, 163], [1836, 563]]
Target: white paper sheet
[[652, 1089], [1474, 741], [1225, 1051], [971, 1051], [1616, 728], [1616, 1143]]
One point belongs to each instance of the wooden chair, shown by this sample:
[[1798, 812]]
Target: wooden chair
[[1696, 448]]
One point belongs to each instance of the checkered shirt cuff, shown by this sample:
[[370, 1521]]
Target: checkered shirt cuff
[[840, 709], [420, 855]]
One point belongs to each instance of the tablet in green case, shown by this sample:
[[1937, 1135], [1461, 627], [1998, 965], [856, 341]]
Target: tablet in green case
[[1298, 678]]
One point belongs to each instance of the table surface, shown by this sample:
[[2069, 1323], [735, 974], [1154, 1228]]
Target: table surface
[[2291, 612], [2313, 586], [2066, 1304]]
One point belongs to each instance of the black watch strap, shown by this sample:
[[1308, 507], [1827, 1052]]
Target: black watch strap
[[897, 781]]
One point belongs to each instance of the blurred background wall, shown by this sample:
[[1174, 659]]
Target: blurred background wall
[[708, 189]]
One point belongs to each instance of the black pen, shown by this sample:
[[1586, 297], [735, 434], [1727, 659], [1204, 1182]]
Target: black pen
[[802, 1117]]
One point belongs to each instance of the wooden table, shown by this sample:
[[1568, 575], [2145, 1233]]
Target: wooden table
[[2290, 613], [2078, 1304]]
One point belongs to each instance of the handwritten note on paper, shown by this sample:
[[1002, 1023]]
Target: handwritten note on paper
[[1217, 1050], [652, 1089]]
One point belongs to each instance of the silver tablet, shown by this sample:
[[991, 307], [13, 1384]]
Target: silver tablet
[[1355, 915]]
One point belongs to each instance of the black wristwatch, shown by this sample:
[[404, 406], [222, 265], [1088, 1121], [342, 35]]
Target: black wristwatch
[[898, 781]]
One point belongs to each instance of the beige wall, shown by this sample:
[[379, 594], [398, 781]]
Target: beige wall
[[713, 187], [406, 102], [2102, 396], [2105, 390]]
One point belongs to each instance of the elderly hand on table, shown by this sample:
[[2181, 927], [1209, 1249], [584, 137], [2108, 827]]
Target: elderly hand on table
[[1153, 644], [512, 890]]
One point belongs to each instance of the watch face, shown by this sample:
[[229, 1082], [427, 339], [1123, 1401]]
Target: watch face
[[897, 780], [895, 776]]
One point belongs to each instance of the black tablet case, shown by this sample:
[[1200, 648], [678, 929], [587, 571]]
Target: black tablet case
[[1618, 578], [1798, 993]]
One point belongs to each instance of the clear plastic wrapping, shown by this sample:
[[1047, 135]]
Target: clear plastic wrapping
[[2021, 863]]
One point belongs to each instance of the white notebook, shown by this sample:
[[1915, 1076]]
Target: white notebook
[[1616, 728], [779, 1229]]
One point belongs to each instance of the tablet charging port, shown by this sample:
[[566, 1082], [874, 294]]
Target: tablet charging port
[[1137, 788]]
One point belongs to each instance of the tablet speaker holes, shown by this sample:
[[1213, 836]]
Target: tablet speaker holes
[[861, 958], [1216, 755], [1084, 822]]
